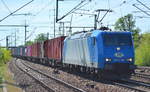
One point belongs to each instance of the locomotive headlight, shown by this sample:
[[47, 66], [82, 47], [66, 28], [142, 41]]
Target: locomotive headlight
[[108, 60], [130, 59]]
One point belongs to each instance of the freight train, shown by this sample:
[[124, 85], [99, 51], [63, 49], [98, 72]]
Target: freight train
[[93, 51]]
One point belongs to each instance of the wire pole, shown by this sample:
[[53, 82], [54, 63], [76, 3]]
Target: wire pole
[[15, 40], [70, 29], [47, 36], [56, 10], [25, 26], [11, 39], [54, 23], [95, 22], [63, 28], [25, 33], [7, 42]]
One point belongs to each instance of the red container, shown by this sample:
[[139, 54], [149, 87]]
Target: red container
[[37, 50], [34, 50], [53, 48]]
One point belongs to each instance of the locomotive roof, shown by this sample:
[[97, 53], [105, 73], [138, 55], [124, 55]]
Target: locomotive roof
[[95, 33]]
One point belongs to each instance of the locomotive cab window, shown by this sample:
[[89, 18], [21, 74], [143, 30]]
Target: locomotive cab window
[[117, 39]]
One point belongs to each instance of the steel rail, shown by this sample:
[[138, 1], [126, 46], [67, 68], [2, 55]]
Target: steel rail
[[135, 83], [143, 67], [145, 76], [127, 86], [41, 82], [56, 79]]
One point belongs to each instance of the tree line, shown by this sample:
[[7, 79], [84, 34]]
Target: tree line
[[141, 41]]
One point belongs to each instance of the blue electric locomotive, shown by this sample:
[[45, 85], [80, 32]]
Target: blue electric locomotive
[[100, 50]]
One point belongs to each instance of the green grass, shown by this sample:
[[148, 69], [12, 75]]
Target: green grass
[[5, 57], [142, 52], [3, 69], [8, 77], [1, 90]]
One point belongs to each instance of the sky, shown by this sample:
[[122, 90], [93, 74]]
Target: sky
[[40, 18]]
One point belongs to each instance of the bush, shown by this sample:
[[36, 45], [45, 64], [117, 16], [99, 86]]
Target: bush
[[143, 51], [5, 56], [1, 79]]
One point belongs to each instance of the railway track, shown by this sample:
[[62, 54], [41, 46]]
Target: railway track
[[141, 75], [143, 67], [129, 84], [25, 70], [49, 82], [134, 85]]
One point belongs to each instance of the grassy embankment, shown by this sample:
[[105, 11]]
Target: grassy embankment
[[5, 56], [143, 51]]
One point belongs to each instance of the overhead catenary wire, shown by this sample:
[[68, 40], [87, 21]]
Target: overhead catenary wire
[[81, 6], [141, 16], [43, 8], [120, 6], [6, 6], [108, 3], [71, 11], [109, 9], [57, 19], [3, 39], [3, 30], [141, 10], [31, 34], [40, 10], [143, 4], [16, 10], [105, 15]]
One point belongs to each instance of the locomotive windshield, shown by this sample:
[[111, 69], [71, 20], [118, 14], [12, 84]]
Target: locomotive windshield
[[117, 39]]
